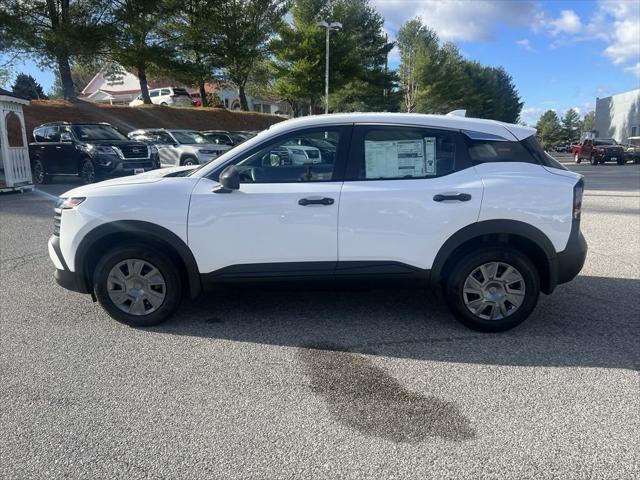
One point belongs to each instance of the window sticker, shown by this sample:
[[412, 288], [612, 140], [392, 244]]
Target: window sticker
[[400, 158]]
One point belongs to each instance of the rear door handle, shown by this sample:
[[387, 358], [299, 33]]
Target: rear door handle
[[315, 201], [460, 197]]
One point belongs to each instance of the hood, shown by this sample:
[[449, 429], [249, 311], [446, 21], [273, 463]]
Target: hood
[[147, 177]]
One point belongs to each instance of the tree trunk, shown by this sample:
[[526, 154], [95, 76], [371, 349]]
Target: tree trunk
[[203, 94], [244, 105], [144, 87], [64, 70]]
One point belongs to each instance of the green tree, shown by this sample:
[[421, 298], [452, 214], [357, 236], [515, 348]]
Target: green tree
[[81, 74], [435, 78], [26, 86], [194, 34], [589, 122], [138, 43], [571, 125], [243, 31], [358, 79], [549, 129], [55, 32]]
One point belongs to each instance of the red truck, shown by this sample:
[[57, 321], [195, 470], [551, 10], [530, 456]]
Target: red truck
[[599, 151]]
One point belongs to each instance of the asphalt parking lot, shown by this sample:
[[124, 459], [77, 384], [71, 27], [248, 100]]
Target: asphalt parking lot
[[277, 384]]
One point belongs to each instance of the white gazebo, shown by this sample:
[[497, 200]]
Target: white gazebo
[[15, 168]]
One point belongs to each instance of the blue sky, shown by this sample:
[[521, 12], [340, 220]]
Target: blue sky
[[561, 54]]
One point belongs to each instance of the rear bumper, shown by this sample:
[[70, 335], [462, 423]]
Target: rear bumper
[[571, 259]]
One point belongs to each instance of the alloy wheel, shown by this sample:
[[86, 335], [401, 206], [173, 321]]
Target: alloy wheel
[[494, 290], [136, 287]]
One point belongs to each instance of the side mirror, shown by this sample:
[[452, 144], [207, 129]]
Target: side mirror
[[229, 180]]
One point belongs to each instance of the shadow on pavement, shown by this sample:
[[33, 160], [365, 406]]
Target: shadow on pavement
[[591, 322]]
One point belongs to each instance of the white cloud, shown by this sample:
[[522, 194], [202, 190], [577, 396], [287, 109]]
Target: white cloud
[[526, 44], [568, 22], [615, 22], [459, 20], [634, 69]]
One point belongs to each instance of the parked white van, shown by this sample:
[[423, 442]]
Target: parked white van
[[171, 96]]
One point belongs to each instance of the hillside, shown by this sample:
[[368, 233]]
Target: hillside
[[152, 116]]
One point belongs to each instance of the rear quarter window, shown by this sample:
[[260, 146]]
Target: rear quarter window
[[485, 151]]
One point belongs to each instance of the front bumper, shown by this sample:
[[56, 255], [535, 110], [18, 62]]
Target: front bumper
[[65, 277], [113, 166]]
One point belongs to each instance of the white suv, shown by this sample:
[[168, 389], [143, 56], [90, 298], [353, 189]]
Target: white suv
[[169, 96], [472, 206], [179, 147]]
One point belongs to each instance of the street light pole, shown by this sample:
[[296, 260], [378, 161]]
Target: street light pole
[[328, 26]]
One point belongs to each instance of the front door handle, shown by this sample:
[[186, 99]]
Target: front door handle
[[460, 197], [315, 201]]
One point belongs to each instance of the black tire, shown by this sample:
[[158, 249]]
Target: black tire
[[621, 161], [39, 173], [189, 160], [455, 281], [87, 171], [168, 270]]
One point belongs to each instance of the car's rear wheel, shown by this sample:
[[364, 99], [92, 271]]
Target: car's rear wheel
[[39, 173], [87, 171], [493, 289], [137, 285]]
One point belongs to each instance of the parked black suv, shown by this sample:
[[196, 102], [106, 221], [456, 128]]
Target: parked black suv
[[91, 150]]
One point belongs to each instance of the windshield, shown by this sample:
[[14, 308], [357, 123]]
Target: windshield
[[97, 132], [189, 138]]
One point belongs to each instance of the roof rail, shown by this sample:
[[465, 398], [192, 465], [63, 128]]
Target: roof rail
[[457, 113]]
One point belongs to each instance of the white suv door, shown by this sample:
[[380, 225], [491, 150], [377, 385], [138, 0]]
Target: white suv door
[[282, 215], [406, 191]]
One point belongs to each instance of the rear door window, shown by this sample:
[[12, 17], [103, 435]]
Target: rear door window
[[397, 152]]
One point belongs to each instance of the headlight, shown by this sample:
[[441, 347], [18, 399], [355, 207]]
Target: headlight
[[101, 149], [72, 202], [153, 149]]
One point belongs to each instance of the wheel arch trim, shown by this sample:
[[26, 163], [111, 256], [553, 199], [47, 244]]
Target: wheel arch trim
[[498, 227], [140, 230]]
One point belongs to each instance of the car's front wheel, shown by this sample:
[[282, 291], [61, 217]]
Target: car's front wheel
[[492, 289], [189, 160], [137, 285], [87, 171]]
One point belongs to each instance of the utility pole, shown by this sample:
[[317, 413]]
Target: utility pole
[[328, 26]]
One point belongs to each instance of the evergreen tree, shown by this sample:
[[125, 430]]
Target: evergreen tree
[[589, 122], [26, 86], [549, 129], [358, 77], [570, 125]]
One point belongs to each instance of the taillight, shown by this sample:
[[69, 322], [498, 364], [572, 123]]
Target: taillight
[[578, 192]]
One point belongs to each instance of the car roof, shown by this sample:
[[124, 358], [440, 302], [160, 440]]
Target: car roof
[[492, 127], [58, 124]]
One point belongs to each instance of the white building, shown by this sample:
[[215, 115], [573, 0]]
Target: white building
[[112, 84], [618, 116]]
